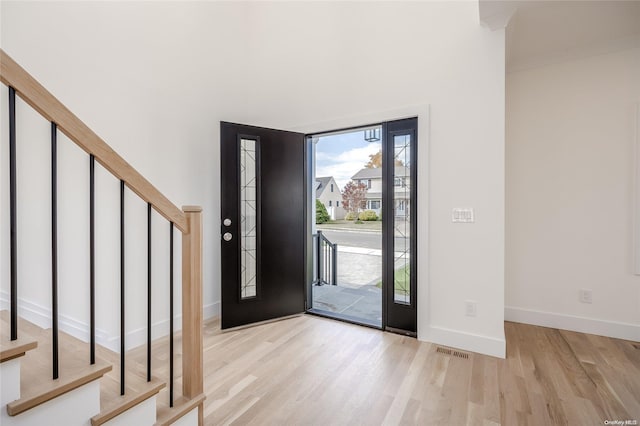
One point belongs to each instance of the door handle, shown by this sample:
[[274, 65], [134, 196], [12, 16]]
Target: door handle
[[227, 236]]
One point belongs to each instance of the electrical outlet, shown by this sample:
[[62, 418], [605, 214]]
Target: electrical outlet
[[470, 308], [586, 296]]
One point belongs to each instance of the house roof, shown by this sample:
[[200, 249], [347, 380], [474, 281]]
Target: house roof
[[376, 173], [322, 183]]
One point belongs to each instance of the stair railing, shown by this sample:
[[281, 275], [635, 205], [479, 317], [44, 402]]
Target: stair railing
[[326, 260], [188, 220]]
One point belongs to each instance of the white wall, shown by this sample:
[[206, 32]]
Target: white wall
[[154, 79], [570, 205], [337, 63]]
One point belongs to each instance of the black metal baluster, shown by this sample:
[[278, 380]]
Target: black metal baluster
[[314, 243], [324, 260], [122, 354], [54, 247], [319, 260], [148, 292], [335, 264], [171, 316], [325, 256], [92, 259], [12, 214]]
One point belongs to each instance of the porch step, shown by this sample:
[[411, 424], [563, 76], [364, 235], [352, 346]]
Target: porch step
[[181, 407]]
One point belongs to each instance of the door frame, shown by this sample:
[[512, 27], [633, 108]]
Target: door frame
[[422, 113]]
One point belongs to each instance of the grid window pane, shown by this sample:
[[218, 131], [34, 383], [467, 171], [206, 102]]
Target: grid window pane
[[248, 197], [402, 219]]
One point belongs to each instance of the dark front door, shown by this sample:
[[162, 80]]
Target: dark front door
[[263, 225]]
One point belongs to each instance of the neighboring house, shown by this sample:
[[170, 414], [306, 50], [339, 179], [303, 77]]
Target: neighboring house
[[329, 194], [372, 178]]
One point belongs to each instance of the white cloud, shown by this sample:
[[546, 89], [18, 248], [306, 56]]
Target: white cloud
[[345, 164]]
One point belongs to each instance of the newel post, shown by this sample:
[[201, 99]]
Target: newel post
[[192, 366]]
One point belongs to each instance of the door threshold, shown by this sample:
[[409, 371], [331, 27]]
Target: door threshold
[[345, 318], [255, 324]]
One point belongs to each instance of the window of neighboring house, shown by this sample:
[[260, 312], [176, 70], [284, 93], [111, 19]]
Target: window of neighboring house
[[368, 183], [329, 203], [398, 181], [337, 203], [373, 204], [331, 187]]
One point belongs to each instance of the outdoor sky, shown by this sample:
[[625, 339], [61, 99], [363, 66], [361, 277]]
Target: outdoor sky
[[342, 156]]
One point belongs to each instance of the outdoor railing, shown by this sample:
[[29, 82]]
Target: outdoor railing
[[326, 260]]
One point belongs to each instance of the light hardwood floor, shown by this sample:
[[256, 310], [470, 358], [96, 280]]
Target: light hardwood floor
[[313, 371]]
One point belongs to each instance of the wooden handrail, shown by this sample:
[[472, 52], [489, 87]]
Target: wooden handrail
[[53, 110], [188, 220]]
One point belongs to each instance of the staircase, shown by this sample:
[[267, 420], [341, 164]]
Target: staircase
[[50, 377]]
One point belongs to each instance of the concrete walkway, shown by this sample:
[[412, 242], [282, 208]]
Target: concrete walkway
[[362, 303], [356, 295]]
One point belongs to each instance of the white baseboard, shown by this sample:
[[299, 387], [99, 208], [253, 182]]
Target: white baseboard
[[599, 327], [41, 316], [138, 337], [467, 341], [211, 310]]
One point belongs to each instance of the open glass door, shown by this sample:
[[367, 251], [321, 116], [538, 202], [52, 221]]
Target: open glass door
[[264, 222], [362, 251], [347, 179]]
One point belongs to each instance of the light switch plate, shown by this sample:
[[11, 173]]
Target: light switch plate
[[470, 308], [462, 215], [586, 296]]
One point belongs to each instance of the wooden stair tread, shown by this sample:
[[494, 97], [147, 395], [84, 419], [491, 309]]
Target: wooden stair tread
[[113, 404], [12, 349], [36, 382], [38, 387], [24, 326], [41, 391], [16, 348], [181, 406]]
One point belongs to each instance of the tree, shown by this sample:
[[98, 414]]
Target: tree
[[322, 215], [375, 161], [353, 196]]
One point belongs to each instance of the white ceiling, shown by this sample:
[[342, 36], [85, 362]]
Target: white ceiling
[[542, 32]]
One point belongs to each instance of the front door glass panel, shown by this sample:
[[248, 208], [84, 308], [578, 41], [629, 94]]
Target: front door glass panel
[[402, 218], [248, 219]]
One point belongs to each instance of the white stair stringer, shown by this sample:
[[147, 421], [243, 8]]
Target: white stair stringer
[[141, 414], [73, 408], [189, 419], [9, 382]]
